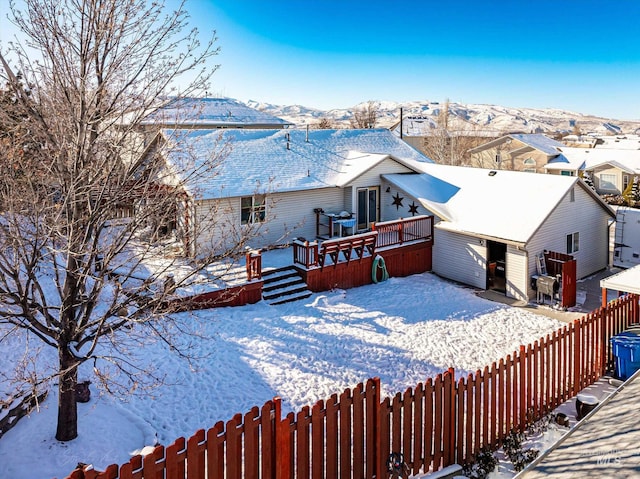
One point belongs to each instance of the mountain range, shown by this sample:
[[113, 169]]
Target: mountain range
[[474, 117]]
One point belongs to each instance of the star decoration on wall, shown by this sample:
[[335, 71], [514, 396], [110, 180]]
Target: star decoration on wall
[[413, 208], [397, 201]]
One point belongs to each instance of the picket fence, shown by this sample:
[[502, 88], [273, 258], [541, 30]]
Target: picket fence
[[434, 424]]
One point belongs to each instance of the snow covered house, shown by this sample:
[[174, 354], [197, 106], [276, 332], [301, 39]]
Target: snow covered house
[[282, 184], [520, 152], [611, 170], [491, 225]]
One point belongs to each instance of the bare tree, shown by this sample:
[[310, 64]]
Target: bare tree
[[72, 254], [450, 141], [366, 116], [325, 124]]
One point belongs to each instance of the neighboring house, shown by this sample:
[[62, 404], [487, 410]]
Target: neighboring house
[[276, 184], [520, 152], [505, 218], [611, 170], [210, 113]]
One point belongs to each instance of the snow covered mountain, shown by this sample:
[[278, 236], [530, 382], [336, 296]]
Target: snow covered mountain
[[475, 117]]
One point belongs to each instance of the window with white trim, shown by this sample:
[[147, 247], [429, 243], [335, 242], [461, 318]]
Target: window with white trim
[[608, 182], [573, 243], [625, 182], [253, 209], [529, 161]]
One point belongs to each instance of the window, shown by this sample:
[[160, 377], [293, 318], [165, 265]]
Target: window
[[529, 170], [608, 182], [530, 161], [573, 243], [498, 158], [566, 173], [625, 182], [252, 209]]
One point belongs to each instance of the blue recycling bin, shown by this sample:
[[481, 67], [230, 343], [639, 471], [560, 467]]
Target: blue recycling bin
[[625, 347]]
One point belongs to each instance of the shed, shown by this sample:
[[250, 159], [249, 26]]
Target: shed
[[507, 218]]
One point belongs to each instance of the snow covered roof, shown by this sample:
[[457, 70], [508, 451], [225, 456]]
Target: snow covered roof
[[627, 281], [537, 141], [590, 158], [626, 142], [509, 205], [215, 112], [284, 160], [568, 163]]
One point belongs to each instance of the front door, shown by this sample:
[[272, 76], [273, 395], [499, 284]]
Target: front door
[[367, 207]]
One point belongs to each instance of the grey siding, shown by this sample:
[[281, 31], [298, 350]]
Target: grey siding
[[584, 216], [460, 258]]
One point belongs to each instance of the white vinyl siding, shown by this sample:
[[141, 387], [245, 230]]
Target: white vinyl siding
[[517, 273], [460, 258], [587, 218], [389, 211], [289, 215]]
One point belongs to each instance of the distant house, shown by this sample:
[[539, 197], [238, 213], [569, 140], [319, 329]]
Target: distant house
[[505, 219], [611, 170], [283, 184], [210, 113], [519, 152]]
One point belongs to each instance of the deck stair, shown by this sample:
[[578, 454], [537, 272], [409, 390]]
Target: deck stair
[[283, 285]]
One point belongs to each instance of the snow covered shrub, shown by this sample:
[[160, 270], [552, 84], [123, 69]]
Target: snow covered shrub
[[513, 448], [485, 463]]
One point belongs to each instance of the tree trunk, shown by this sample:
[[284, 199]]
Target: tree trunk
[[67, 406]]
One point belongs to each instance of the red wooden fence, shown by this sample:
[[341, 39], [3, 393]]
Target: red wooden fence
[[435, 424]]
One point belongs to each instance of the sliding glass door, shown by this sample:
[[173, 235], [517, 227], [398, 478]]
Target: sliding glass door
[[367, 208]]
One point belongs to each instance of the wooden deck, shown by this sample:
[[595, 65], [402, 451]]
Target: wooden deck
[[405, 246]]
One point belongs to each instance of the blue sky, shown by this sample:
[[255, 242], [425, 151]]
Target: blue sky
[[580, 56]]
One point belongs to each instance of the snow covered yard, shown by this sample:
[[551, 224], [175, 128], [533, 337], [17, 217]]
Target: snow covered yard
[[404, 331]]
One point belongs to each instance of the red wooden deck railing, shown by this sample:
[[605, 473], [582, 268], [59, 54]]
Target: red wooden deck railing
[[404, 230], [388, 233], [434, 424], [253, 260]]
